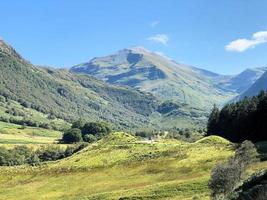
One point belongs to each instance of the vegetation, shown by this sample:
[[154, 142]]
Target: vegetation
[[125, 167], [20, 155], [254, 188], [225, 177], [88, 132], [17, 134], [72, 136], [244, 120], [64, 95]]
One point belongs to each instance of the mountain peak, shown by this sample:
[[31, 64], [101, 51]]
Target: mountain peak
[[139, 49]]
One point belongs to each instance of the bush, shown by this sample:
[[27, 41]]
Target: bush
[[73, 149], [17, 156], [225, 177], [78, 124], [89, 138], [98, 129], [72, 135], [50, 153]]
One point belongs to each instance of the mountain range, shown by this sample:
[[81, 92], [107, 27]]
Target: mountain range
[[148, 71], [133, 88]]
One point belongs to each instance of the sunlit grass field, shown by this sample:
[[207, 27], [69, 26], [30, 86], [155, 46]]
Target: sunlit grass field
[[16, 134], [123, 167]]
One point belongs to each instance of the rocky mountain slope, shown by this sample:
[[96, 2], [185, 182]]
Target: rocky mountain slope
[[148, 71]]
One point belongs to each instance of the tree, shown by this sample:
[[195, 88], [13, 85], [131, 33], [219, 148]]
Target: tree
[[98, 129], [72, 135], [226, 176], [240, 121], [78, 124], [246, 154], [89, 138], [213, 120]]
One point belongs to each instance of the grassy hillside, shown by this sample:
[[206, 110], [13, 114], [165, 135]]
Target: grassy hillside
[[68, 96], [17, 134], [149, 71], [121, 166]]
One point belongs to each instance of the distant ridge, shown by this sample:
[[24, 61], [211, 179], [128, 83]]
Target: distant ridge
[[148, 71]]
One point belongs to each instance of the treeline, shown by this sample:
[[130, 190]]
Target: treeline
[[20, 155], [244, 120], [32, 123]]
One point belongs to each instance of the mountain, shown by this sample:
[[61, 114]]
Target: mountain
[[241, 82], [70, 96], [148, 71], [260, 84]]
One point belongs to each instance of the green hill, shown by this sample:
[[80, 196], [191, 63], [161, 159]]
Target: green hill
[[149, 71], [69, 96], [120, 166]]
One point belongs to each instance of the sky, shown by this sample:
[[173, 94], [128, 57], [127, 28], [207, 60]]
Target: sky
[[221, 36]]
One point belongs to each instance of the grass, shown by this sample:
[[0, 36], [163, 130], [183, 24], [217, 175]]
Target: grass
[[29, 114], [16, 134], [120, 167]]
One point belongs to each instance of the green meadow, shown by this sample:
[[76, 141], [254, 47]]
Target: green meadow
[[17, 134], [121, 166]]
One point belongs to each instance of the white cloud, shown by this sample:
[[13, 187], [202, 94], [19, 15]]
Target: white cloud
[[243, 44], [159, 38], [154, 24]]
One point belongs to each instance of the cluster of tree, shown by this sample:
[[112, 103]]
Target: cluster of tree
[[244, 120], [20, 155], [29, 122], [189, 135], [225, 177], [15, 112], [87, 132]]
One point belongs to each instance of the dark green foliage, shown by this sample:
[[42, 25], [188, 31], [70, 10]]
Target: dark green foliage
[[226, 176], [87, 132], [244, 120], [255, 188], [98, 129], [89, 138], [20, 155], [73, 149], [17, 156], [78, 124], [50, 153], [145, 134], [213, 120], [167, 107], [72, 135]]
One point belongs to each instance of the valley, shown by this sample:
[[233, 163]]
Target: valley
[[139, 126]]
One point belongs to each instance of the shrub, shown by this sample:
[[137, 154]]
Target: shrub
[[50, 153], [89, 138], [98, 129], [78, 124], [225, 177], [72, 135]]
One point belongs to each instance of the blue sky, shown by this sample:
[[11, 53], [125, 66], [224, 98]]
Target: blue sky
[[62, 33]]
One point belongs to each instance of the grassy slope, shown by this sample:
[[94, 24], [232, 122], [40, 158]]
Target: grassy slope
[[69, 96], [29, 113], [14, 134], [121, 166]]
